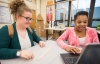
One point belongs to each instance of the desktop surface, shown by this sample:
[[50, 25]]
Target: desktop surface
[[52, 56]]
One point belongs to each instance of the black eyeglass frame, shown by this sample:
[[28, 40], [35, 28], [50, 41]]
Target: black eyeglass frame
[[27, 18]]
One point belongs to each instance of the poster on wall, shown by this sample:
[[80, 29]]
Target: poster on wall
[[5, 16], [49, 14]]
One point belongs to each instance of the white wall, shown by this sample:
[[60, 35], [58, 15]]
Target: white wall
[[43, 9], [32, 5], [6, 1], [38, 7]]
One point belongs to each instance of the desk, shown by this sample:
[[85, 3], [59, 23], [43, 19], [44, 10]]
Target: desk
[[98, 32], [52, 57], [57, 29]]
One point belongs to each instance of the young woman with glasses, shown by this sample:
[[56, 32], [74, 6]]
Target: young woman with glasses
[[22, 37]]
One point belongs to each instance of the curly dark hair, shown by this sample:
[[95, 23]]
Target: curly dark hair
[[18, 7], [80, 13]]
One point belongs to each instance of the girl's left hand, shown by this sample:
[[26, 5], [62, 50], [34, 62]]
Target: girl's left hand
[[42, 44]]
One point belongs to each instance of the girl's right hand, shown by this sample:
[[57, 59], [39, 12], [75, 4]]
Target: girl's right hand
[[73, 49], [26, 54]]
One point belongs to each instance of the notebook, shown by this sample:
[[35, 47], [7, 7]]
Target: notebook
[[90, 55]]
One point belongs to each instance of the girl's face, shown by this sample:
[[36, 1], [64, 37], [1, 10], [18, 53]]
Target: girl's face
[[25, 19], [81, 22]]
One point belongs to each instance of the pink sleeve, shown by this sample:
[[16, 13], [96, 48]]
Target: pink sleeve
[[60, 40], [94, 36]]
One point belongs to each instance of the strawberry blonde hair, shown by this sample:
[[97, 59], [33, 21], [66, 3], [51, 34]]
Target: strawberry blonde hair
[[18, 7]]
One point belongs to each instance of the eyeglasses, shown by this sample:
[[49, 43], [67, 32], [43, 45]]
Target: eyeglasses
[[27, 18]]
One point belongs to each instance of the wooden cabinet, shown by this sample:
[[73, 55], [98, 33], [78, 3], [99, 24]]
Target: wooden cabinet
[[33, 23]]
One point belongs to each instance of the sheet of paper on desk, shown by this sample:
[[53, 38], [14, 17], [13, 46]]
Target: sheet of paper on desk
[[44, 53], [36, 51]]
